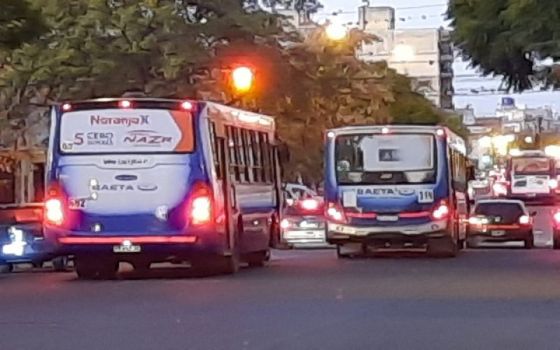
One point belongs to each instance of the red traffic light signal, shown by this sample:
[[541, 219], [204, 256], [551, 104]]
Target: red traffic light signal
[[242, 78]]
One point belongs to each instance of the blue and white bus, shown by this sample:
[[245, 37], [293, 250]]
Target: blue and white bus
[[396, 187], [156, 180]]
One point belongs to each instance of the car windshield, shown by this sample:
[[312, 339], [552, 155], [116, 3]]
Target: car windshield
[[502, 211], [385, 159]]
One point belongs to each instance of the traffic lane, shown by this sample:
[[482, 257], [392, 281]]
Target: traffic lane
[[304, 300]]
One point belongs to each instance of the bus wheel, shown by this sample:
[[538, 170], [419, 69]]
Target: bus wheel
[[88, 268], [257, 259], [445, 247]]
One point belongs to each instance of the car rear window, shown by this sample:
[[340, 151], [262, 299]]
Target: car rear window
[[506, 212]]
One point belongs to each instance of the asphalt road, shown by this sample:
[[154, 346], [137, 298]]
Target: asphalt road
[[483, 299]]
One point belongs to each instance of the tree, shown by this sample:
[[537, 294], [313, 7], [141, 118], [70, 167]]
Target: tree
[[507, 37], [19, 23], [170, 48]]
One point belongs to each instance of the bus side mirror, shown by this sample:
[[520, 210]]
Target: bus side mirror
[[283, 153]]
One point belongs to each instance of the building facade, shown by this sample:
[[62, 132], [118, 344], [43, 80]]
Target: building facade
[[424, 55]]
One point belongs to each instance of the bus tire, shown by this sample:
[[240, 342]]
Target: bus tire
[[444, 247], [96, 269], [340, 254]]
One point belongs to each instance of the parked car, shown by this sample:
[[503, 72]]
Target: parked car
[[22, 240], [500, 220]]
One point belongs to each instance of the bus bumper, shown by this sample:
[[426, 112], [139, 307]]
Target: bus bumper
[[404, 236], [156, 247]]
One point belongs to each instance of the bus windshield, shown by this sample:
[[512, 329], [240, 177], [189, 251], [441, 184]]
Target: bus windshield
[[385, 159], [129, 131], [521, 166]]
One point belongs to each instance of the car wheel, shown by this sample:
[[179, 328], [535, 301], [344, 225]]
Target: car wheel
[[257, 259], [529, 243], [445, 247], [556, 241], [5, 268], [38, 264], [60, 263]]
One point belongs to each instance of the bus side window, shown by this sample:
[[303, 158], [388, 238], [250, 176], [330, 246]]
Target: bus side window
[[216, 151], [257, 157], [248, 155], [268, 160], [459, 171], [233, 161]]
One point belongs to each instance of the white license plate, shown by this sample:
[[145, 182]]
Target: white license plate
[[498, 233], [127, 249], [388, 218]]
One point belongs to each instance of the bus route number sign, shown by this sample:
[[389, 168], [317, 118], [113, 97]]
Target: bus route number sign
[[425, 196]]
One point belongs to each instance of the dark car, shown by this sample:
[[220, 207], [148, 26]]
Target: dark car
[[500, 220]]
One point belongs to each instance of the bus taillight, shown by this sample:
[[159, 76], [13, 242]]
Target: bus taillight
[[54, 212], [335, 213], [441, 211], [200, 210]]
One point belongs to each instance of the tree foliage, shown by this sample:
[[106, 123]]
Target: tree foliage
[[170, 48], [19, 23], [507, 37]]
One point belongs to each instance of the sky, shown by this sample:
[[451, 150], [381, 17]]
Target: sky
[[430, 14]]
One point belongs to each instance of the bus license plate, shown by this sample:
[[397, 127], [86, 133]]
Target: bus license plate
[[498, 233], [126, 249]]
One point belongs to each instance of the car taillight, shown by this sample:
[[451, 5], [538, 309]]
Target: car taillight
[[54, 211], [477, 220], [556, 217], [200, 210], [440, 212], [524, 220], [335, 213]]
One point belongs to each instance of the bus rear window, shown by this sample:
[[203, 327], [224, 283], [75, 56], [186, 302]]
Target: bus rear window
[[126, 131], [385, 159]]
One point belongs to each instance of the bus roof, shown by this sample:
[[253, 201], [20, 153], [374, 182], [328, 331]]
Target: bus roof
[[228, 113]]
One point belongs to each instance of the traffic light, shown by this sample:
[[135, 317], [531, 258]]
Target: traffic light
[[242, 79]]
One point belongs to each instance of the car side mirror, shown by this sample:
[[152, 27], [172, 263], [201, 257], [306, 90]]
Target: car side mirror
[[533, 213]]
